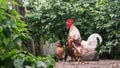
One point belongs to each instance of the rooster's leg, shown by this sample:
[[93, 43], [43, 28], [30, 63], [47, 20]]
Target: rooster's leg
[[79, 56], [80, 60]]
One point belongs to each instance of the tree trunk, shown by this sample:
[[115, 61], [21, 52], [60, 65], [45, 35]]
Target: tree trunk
[[30, 46], [38, 48]]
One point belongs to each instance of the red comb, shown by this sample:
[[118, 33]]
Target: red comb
[[70, 21]]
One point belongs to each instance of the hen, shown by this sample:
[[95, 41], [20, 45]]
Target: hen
[[59, 52]]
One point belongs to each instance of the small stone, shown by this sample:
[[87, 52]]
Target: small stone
[[91, 56]]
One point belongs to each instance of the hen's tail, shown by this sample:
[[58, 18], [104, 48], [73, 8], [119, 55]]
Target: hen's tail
[[93, 40]]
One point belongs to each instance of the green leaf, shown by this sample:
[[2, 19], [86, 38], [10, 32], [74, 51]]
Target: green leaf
[[30, 59], [15, 13], [6, 32], [18, 42], [11, 45], [1, 29], [8, 55], [6, 41], [18, 63], [41, 64], [13, 24], [13, 2], [25, 36], [15, 36]]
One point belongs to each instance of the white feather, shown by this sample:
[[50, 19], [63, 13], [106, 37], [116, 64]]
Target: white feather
[[91, 42], [74, 32], [94, 37]]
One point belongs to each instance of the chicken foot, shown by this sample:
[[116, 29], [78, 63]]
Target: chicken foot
[[79, 55]]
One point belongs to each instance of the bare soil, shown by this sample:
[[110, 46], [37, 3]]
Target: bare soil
[[90, 64]]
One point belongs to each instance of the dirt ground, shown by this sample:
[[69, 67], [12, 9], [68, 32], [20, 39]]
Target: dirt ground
[[90, 64]]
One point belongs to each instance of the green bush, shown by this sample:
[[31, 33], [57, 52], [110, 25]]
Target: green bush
[[12, 29], [12, 33], [17, 59], [46, 19]]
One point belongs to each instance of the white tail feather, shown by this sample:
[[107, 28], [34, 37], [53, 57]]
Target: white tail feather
[[91, 42], [94, 37]]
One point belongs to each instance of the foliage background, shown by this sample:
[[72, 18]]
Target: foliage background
[[46, 19]]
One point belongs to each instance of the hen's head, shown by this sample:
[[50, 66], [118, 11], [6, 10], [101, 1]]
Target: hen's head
[[58, 45], [69, 23]]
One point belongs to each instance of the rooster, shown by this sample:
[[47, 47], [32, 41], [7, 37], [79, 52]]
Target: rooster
[[74, 34], [75, 46]]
